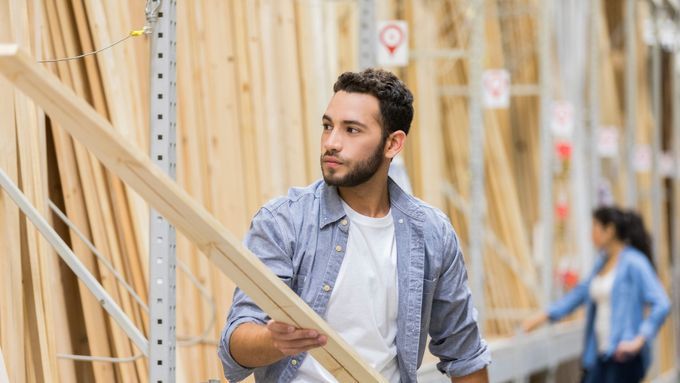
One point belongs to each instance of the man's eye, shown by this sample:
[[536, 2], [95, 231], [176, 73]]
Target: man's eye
[[326, 127], [352, 130]]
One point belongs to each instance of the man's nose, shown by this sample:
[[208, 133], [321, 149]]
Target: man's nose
[[332, 141]]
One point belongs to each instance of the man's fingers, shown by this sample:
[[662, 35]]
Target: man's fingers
[[298, 345], [284, 331], [294, 347], [295, 335], [280, 327]]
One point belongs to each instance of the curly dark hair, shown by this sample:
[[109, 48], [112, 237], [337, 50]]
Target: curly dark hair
[[628, 226], [396, 101]]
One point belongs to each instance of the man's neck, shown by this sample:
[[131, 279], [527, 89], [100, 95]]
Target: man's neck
[[371, 198]]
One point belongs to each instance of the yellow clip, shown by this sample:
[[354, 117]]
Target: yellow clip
[[136, 33]]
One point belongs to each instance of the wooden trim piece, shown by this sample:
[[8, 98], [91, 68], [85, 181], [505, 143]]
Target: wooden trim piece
[[137, 170], [12, 324], [4, 378]]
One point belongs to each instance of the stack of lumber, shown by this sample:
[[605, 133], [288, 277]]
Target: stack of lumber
[[253, 80], [511, 276]]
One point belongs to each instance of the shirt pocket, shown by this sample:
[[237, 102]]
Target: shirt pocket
[[298, 283], [429, 286]]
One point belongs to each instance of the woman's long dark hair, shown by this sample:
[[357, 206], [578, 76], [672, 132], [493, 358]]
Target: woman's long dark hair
[[628, 226]]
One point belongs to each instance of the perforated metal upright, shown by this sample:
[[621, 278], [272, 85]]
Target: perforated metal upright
[[675, 222], [162, 241], [594, 102], [547, 160], [367, 39], [630, 26], [477, 193]]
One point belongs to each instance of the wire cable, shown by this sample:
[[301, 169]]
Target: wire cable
[[97, 254], [134, 33], [106, 359], [183, 341]]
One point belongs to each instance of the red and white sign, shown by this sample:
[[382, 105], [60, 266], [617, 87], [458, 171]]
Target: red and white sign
[[563, 149], [562, 119], [392, 43], [608, 141], [496, 83]]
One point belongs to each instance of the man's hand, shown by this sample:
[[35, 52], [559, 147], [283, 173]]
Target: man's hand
[[480, 376], [255, 345], [290, 340], [627, 349]]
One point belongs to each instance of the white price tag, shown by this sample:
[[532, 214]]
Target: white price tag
[[608, 141], [496, 83], [562, 119]]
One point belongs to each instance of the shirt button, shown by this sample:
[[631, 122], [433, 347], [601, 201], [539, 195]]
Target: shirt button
[[326, 288], [401, 220], [338, 248], [343, 222], [293, 362]]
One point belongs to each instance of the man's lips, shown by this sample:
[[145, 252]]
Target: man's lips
[[332, 161]]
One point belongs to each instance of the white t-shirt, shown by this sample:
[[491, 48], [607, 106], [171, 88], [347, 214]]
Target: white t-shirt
[[601, 293], [363, 305]]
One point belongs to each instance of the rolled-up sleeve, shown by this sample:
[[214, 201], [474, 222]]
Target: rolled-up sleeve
[[272, 246], [455, 334]]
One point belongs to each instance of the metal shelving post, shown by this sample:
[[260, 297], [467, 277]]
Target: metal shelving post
[[162, 241], [675, 221], [477, 192], [367, 37], [657, 192], [655, 139], [547, 161], [630, 26], [594, 101]]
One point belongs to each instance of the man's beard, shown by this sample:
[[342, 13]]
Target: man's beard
[[360, 173]]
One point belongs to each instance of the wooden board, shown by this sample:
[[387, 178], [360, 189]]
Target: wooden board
[[133, 167], [4, 378]]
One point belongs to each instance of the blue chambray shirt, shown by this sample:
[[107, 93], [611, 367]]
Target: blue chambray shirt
[[302, 238], [635, 287]]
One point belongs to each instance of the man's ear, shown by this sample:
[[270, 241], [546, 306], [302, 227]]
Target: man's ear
[[395, 143]]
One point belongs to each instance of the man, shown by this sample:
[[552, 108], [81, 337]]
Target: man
[[381, 267]]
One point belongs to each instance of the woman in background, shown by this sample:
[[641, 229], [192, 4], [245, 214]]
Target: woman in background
[[622, 283]]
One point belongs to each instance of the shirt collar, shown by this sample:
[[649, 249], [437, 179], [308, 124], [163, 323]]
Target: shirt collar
[[332, 210]]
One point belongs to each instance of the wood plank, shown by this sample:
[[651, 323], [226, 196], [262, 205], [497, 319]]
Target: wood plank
[[97, 342], [316, 82], [426, 134], [4, 378], [133, 167], [37, 275], [38, 299], [11, 292], [190, 164]]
